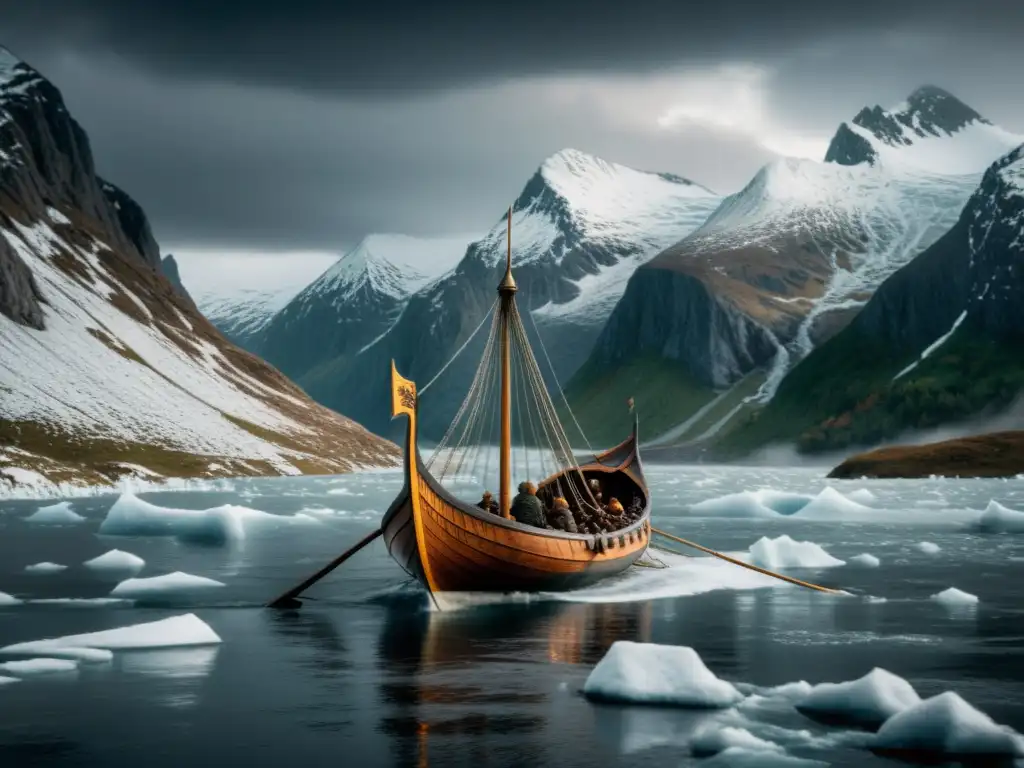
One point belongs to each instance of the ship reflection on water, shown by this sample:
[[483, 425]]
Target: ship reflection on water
[[437, 671]]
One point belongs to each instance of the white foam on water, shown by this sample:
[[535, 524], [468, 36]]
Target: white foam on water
[[164, 586], [647, 673], [55, 514], [784, 552], [40, 666], [868, 701], [45, 568], [947, 725]]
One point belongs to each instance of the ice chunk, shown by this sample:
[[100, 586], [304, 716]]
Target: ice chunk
[[55, 514], [739, 757], [169, 583], [176, 631], [116, 561], [6, 680], [999, 519], [947, 725], [46, 647], [760, 503], [131, 516], [929, 548], [830, 504], [646, 673], [862, 496], [713, 738], [784, 552], [868, 701], [954, 596], [84, 602], [38, 666], [6, 599], [866, 560], [43, 568]]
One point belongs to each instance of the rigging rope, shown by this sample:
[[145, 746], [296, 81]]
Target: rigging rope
[[458, 352], [554, 377]]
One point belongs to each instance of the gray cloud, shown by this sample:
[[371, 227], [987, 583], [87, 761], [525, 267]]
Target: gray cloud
[[300, 125]]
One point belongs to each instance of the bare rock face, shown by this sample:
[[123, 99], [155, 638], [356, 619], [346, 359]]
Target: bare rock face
[[20, 299]]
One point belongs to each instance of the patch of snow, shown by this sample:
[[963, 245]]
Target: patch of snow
[[40, 666], [866, 560], [784, 552], [955, 597], [947, 725], [163, 586], [646, 673], [55, 514], [17, 477], [173, 632], [868, 701], [44, 568], [934, 345], [999, 519], [928, 547], [116, 561]]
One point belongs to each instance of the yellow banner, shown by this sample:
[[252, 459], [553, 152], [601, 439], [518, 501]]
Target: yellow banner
[[403, 394]]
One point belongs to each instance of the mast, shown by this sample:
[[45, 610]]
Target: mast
[[507, 292]]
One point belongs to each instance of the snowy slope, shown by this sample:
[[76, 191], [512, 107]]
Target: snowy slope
[[785, 263], [103, 365], [580, 227]]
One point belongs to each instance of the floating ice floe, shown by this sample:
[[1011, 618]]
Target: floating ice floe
[[131, 516], [784, 552], [40, 666], [44, 568], [955, 597], [646, 673], [163, 586], [868, 701], [929, 548], [174, 632], [999, 519], [6, 599], [6, 680], [866, 560], [862, 496], [116, 561], [55, 514], [714, 738], [947, 725], [81, 602], [829, 504], [93, 655]]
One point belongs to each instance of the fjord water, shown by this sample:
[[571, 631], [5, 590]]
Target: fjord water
[[368, 674]]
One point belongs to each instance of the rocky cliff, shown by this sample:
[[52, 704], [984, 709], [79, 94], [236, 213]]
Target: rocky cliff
[[106, 370]]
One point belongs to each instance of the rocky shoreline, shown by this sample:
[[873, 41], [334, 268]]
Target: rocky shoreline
[[999, 454]]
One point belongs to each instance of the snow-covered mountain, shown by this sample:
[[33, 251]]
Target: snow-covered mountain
[[786, 262], [939, 341], [350, 305], [105, 369], [580, 227]]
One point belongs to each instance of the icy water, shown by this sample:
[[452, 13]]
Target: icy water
[[369, 675]]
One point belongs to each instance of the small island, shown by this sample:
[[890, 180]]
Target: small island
[[999, 454]]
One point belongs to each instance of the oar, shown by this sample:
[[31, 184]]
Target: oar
[[740, 563], [287, 600]]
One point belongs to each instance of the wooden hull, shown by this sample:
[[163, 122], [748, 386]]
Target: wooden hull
[[452, 546]]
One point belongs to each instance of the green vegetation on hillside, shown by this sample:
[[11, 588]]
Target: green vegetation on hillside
[[665, 393], [843, 395]]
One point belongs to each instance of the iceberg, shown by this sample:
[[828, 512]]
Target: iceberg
[[646, 673], [163, 586], [174, 632], [55, 514], [868, 701], [45, 568], [784, 552]]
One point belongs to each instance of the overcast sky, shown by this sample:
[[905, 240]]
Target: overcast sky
[[301, 125]]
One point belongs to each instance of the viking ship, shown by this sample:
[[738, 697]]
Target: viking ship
[[450, 544]]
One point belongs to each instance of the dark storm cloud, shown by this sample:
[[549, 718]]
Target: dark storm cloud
[[378, 48], [295, 125]]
